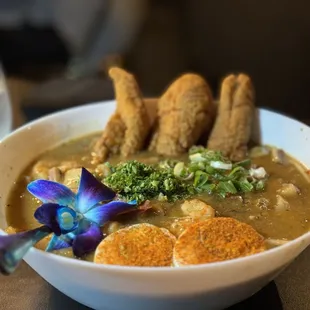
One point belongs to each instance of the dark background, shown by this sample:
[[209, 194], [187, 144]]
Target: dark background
[[268, 39]]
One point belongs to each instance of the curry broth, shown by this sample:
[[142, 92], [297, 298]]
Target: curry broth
[[256, 209]]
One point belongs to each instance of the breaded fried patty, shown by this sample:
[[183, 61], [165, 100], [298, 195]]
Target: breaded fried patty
[[185, 111], [232, 129], [137, 245], [216, 239], [128, 127]]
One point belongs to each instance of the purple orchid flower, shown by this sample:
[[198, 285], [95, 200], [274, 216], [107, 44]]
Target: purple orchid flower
[[75, 219]]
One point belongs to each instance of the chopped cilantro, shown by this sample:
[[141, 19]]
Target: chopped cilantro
[[137, 181]]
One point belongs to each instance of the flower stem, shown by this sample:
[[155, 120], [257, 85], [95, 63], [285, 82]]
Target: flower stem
[[14, 247]]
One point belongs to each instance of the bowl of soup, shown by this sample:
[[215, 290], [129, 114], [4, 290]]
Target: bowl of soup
[[219, 191]]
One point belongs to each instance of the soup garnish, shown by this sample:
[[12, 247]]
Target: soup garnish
[[206, 171], [139, 182], [75, 219]]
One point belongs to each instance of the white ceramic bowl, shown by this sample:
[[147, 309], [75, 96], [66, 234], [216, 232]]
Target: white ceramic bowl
[[210, 286]]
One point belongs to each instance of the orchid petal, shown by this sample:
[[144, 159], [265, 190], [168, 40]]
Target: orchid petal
[[51, 192], [103, 213], [57, 243], [90, 192], [47, 214], [82, 227], [88, 241]]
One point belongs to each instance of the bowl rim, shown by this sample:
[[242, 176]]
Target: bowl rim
[[214, 265]]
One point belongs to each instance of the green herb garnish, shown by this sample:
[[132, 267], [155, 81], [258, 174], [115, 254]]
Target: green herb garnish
[[137, 181], [207, 171], [214, 173]]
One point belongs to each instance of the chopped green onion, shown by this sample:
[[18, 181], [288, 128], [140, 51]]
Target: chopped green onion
[[245, 186], [234, 173], [178, 169], [228, 187], [200, 178], [196, 158], [244, 163], [225, 188], [260, 185], [221, 165], [210, 170], [209, 188]]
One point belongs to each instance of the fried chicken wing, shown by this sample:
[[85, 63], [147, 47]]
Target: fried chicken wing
[[128, 127], [232, 129], [185, 112]]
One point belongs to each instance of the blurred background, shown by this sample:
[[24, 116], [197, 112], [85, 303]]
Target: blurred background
[[56, 53]]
